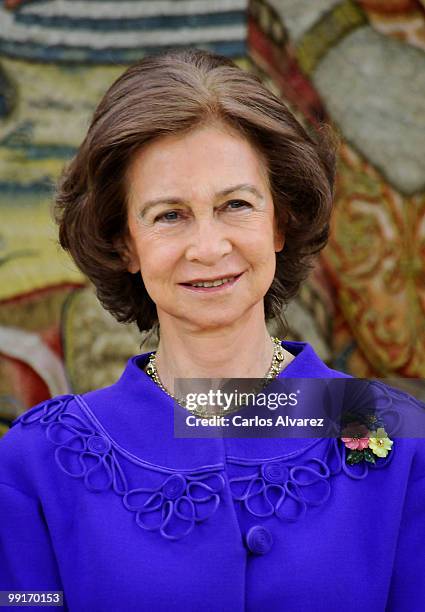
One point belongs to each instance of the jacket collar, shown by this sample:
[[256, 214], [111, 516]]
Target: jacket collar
[[307, 364], [139, 417]]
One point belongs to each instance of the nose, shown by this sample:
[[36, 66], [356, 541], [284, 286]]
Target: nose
[[208, 242]]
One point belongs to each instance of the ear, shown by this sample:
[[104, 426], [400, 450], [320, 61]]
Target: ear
[[279, 239], [127, 252]]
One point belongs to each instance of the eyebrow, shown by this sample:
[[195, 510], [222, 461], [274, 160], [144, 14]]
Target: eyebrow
[[219, 194]]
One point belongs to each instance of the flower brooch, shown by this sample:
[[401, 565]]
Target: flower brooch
[[366, 438]]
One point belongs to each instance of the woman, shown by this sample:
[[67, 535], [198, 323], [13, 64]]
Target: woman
[[197, 201]]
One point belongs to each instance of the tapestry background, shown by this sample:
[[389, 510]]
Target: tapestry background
[[358, 64]]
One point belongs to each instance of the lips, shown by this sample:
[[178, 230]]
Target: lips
[[212, 285], [212, 282]]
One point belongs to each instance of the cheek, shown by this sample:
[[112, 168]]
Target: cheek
[[157, 260], [264, 261], [260, 250]]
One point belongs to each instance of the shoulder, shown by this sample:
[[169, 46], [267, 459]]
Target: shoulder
[[386, 411], [406, 412], [403, 417], [23, 447]]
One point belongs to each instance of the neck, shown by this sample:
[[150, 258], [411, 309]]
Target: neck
[[242, 351]]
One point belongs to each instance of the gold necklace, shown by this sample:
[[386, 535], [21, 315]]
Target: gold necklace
[[273, 371]]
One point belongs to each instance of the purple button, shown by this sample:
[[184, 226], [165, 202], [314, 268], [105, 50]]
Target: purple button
[[275, 472], [174, 486], [98, 444], [259, 540]]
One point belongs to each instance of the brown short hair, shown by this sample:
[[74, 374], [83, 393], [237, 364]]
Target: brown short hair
[[175, 92]]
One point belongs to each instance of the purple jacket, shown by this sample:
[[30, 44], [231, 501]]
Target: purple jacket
[[99, 499]]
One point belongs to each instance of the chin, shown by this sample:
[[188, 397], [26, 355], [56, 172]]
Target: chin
[[216, 319], [208, 321]]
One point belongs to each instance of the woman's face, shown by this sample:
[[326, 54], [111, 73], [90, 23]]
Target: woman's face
[[200, 209]]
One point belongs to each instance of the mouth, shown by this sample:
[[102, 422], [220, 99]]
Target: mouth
[[212, 285]]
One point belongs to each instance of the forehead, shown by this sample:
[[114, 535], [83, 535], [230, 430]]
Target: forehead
[[205, 157]]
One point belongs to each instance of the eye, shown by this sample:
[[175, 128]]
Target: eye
[[238, 204], [168, 217]]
